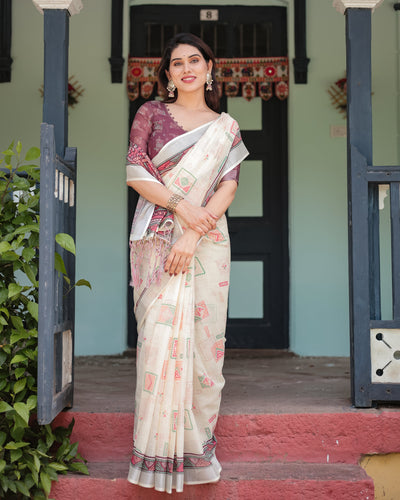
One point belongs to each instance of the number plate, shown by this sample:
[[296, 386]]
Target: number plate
[[208, 14]]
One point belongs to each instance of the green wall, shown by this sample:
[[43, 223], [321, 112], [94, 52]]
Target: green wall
[[98, 127], [317, 166]]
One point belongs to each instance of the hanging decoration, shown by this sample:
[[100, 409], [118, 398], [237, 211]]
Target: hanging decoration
[[247, 77], [338, 93], [75, 91]]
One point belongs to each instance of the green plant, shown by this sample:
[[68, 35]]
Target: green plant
[[31, 455]]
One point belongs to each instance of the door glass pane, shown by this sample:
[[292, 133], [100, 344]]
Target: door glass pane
[[248, 200], [246, 296], [247, 113]]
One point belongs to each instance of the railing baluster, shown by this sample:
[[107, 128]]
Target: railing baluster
[[395, 227]]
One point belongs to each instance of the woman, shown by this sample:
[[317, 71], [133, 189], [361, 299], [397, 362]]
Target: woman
[[183, 160]]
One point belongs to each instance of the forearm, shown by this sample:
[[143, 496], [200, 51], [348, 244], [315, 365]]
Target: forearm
[[195, 217], [222, 198], [153, 191]]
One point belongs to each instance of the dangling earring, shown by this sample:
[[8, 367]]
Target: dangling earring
[[171, 88], [209, 82]]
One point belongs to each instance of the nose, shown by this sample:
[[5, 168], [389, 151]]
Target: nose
[[186, 67]]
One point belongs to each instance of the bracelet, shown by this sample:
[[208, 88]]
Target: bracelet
[[173, 202]]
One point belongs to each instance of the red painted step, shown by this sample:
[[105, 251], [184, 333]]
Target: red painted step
[[317, 438], [239, 481]]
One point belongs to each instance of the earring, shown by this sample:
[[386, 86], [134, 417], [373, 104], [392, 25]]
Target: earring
[[171, 88], [209, 82]]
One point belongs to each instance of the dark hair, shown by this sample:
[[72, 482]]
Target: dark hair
[[211, 97]]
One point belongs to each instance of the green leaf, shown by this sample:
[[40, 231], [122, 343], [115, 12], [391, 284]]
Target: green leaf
[[83, 282], [4, 246], [17, 432], [3, 437], [51, 473], [26, 229], [30, 271], [57, 466], [15, 455], [33, 308], [2, 465], [32, 402], [11, 485], [3, 357], [36, 462], [13, 290], [18, 147], [16, 336], [59, 263], [28, 253], [22, 488], [8, 152], [19, 372], [22, 410], [4, 407], [3, 295], [19, 421], [17, 322], [18, 387], [39, 496], [79, 467], [66, 241], [18, 358], [46, 482], [32, 154], [12, 445]]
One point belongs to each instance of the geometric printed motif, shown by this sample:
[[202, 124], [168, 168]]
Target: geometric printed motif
[[166, 316], [188, 421], [168, 465], [216, 236], [184, 181], [205, 381], [198, 268], [218, 350], [201, 311], [150, 380]]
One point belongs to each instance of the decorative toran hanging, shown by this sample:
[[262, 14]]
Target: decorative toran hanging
[[248, 77]]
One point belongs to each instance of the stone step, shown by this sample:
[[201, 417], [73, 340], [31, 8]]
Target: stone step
[[324, 438], [239, 481]]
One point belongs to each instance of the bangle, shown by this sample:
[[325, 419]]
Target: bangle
[[173, 202]]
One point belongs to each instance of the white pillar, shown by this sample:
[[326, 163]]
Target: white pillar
[[73, 6], [342, 5]]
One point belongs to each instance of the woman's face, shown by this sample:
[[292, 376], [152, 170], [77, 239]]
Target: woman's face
[[188, 69]]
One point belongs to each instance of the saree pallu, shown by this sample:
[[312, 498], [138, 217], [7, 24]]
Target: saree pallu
[[181, 322]]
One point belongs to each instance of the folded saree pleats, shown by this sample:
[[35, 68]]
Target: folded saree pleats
[[179, 372]]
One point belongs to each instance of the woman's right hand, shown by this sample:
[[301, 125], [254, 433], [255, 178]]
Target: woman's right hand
[[200, 219]]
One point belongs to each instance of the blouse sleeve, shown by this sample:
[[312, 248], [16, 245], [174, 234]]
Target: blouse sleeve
[[233, 175], [141, 128]]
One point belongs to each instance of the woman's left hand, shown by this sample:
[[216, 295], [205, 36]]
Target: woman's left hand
[[181, 253]]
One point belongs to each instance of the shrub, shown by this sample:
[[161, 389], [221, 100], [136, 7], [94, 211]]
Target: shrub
[[31, 455]]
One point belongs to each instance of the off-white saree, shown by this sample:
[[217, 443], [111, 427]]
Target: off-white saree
[[181, 319]]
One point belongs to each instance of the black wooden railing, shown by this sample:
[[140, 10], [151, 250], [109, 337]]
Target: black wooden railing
[[375, 341], [56, 299]]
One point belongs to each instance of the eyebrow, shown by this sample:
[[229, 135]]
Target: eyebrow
[[177, 58]]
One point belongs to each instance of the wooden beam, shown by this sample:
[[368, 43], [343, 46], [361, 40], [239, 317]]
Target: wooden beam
[[362, 209], [55, 99], [301, 60], [116, 60], [5, 41]]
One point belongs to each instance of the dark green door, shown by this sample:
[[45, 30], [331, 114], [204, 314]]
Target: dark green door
[[258, 301]]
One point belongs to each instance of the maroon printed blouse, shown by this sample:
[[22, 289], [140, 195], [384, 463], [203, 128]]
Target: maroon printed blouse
[[154, 126]]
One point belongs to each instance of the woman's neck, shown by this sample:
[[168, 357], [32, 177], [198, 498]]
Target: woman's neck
[[192, 102]]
